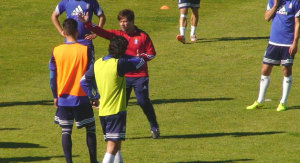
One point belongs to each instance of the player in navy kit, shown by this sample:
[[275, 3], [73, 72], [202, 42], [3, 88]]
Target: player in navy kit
[[108, 72], [67, 65], [282, 47], [73, 8]]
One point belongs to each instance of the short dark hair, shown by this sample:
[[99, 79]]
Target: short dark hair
[[70, 26], [117, 46], [126, 13]]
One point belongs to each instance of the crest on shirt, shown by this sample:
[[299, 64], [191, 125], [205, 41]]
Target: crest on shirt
[[136, 41]]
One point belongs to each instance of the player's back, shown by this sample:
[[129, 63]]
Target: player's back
[[71, 64], [111, 87]]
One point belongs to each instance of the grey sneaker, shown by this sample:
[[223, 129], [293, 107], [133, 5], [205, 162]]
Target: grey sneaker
[[155, 133]]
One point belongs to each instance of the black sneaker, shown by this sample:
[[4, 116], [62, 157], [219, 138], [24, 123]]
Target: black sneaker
[[155, 133]]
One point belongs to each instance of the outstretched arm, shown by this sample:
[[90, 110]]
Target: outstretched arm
[[129, 64], [94, 28], [102, 20]]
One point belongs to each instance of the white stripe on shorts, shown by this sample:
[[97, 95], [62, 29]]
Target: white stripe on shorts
[[85, 121]]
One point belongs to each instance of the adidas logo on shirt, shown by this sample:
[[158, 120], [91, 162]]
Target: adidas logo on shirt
[[281, 10], [77, 11]]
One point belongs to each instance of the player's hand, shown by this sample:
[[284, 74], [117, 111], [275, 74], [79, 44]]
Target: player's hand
[[95, 104], [84, 18], [90, 36], [62, 33], [293, 50], [137, 53], [55, 102]]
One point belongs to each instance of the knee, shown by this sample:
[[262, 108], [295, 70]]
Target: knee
[[143, 102], [66, 131], [287, 71]]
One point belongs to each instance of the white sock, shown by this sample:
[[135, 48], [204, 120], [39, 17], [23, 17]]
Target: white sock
[[286, 85], [182, 31], [118, 157], [108, 158], [193, 30], [264, 83]]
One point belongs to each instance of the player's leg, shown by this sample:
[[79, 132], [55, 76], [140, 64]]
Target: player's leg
[[84, 117], [183, 21], [287, 62], [118, 157], [128, 88], [141, 88], [271, 58], [194, 20], [91, 142], [112, 148], [114, 129], [266, 70], [183, 6], [66, 141], [65, 118]]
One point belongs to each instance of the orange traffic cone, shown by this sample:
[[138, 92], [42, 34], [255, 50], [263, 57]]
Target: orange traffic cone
[[164, 7]]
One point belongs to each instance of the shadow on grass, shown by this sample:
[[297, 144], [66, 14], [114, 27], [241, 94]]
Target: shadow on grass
[[234, 134], [202, 40], [292, 107], [29, 159], [19, 145], [225, 161], [164, 101], [9, 129], [41, 102]]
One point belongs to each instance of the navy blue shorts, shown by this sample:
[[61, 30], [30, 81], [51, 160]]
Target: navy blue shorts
[[188, 4], [83, 115], [114, 126], [276, 55]]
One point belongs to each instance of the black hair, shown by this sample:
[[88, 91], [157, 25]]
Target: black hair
[[126, 13], [117, 46], [70, 26]]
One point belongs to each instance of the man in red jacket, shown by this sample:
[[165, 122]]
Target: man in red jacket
[[139, 45]]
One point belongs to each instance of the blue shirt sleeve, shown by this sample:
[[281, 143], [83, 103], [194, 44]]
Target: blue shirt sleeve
[[60, 8], [127, 64], [53, 84], [90, 58], [97, 9], [88, 83], [270, 4], [297, 9]]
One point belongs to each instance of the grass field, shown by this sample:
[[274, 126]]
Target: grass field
[[199, 90]]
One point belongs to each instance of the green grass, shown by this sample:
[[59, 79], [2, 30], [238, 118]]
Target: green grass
[[199, 90]]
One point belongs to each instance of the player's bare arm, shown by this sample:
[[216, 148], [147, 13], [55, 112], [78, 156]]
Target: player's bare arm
[[55, 21], [269, 14], [294, 47]]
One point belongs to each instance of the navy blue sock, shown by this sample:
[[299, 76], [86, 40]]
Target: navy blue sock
[[150, 113], [67, 144], [91, 143]]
